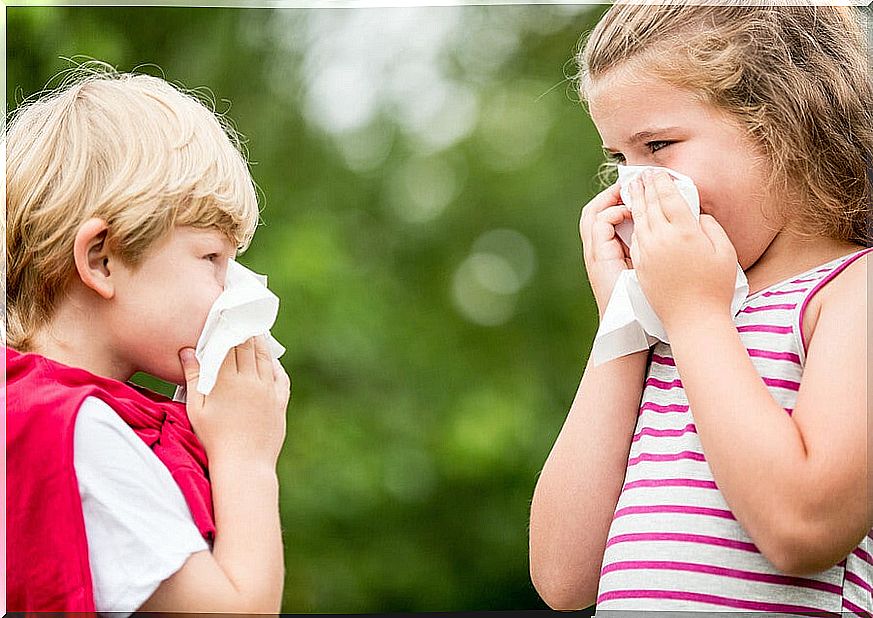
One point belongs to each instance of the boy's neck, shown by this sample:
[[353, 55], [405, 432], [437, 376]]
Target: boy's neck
[[789, 255], [74, 337]]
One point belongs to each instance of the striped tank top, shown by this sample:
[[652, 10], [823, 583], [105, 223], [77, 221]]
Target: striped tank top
[[674, 543]]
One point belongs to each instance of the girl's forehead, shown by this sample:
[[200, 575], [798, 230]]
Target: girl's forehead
[[627, 88], [630, 100]]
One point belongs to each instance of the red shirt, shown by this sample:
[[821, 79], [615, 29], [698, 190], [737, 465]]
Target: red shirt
[[46, 547]]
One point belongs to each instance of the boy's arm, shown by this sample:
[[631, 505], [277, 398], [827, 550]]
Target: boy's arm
[[798, 484], [579, 486], [244, 572], [242, 426]]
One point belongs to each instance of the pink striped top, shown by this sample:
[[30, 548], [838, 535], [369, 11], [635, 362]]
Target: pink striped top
[[674, 543]]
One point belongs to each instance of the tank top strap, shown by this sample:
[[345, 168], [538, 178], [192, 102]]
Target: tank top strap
[[813, 278]]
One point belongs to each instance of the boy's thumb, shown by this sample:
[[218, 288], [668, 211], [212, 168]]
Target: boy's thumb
[[189, 365]]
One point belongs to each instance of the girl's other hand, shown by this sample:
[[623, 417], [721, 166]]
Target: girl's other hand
[[243, 418], [684, 266], [605, 255]]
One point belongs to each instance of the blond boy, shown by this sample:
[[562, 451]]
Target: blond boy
[[125, 200]]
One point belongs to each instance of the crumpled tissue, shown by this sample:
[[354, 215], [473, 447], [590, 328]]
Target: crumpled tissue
[[246, 308], [629, 323]]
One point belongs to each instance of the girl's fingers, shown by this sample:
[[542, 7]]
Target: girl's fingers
[[673, 205], [605, 240], [654, 208], [721, 243], [640, 207], [609, 197], [614, 214], [634, 249], [263, 360]]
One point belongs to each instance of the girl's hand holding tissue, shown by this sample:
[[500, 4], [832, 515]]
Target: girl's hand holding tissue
[[685, 268], [243, 417], [606, 256]]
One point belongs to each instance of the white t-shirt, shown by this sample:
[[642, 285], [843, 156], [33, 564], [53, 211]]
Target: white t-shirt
[[138, 525]]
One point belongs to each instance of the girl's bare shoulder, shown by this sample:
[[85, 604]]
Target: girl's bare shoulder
[[843, 296]]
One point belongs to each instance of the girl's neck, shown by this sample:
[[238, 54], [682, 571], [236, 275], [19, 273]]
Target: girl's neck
[[789, 255]]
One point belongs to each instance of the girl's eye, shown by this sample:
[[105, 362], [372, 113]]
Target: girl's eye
[[615, 157], [656, 146]]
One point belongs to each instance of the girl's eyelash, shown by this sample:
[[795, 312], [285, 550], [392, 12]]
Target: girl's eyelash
[[657, 145], [653, 146]]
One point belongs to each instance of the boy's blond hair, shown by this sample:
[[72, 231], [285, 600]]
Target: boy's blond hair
[[796, 78], [130, 149]]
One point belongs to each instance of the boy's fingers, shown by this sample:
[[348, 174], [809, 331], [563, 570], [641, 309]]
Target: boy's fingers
[[245, 357], [190, 367], [263, 359], [229, 363], [283, 381]]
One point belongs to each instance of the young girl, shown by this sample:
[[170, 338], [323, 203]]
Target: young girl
[[726, 470]]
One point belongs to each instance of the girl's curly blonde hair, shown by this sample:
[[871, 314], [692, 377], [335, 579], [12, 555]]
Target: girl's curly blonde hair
[[797, 78], [130, 149]]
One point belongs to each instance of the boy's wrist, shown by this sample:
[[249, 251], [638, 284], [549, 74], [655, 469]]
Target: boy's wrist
[[242, 465]]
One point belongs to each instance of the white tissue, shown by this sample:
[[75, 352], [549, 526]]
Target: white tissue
[[629, 323], [246, 308]]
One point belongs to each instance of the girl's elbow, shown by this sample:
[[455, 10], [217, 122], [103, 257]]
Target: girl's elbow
[[561, 593], [801, 552]]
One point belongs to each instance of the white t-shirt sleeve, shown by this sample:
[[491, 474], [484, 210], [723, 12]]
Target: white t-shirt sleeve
[[137, 522]]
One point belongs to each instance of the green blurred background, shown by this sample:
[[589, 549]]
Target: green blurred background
[[422, 173]]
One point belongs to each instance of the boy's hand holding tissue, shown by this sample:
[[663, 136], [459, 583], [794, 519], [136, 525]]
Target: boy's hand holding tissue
[[686, 265], [242, 420], [237, 391]]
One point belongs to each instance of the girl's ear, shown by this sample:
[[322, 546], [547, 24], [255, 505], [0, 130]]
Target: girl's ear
[[92, 257]]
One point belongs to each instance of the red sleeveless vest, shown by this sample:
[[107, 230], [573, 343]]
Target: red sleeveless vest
[[46, 548]]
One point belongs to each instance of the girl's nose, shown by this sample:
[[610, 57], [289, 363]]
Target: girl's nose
[[637, 161]]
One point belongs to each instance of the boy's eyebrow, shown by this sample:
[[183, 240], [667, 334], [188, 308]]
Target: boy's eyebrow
[[210, 238], [643, 136]]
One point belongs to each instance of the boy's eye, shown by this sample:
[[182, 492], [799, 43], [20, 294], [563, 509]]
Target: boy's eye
[[211, 257]]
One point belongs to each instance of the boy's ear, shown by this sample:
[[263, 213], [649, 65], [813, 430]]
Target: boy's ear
[[92, 257]]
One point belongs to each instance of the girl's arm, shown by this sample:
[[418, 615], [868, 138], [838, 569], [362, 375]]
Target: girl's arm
[[579, 486], [580, 483], [798, 484], [242, 426]]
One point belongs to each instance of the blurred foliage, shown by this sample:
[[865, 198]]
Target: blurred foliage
[[422, 173]]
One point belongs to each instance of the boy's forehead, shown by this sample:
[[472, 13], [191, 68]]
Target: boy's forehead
[[204, 234]]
